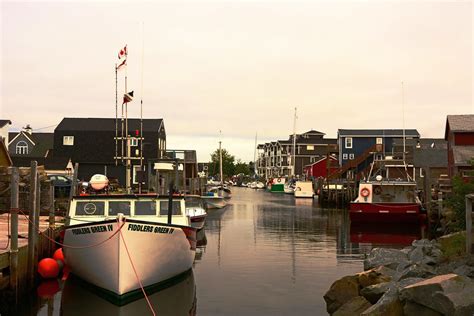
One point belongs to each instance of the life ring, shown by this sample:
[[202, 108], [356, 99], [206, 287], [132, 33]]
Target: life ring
[[279, 180], [365, 192], [377, 190]]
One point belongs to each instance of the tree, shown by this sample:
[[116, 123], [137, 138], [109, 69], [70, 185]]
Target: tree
[[242, 167], [228, 167]]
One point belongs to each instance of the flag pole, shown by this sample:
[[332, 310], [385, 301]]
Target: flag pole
[[141, 111], [116, 114]]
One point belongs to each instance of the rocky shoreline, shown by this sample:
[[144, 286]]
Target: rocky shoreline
[[415, 280]]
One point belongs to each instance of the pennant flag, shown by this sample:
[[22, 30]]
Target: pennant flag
[[128, 97], [123, 53], [122, 64]]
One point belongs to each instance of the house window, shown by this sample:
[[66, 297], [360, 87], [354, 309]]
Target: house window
[[136, 170], [21, 148], [351, 156], [133, 141], [344, 156], [68, 140], [309, 147], [348, 142], [312, 159], [379, 141]]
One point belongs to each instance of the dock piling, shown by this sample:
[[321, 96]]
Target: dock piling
[[14, 231], [32, 220]]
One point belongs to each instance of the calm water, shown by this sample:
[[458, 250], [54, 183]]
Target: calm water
[[264, 254]]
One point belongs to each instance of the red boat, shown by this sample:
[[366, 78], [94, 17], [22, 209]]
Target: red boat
[[388, 195]]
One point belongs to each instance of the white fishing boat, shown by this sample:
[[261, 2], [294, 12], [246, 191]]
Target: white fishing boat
[[196, 211], [212, 200], [289, 188], [105, 235], [304, 189]]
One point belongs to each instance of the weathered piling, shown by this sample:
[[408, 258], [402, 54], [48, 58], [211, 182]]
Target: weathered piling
[[15, 179], [32, 235], [469, 218]]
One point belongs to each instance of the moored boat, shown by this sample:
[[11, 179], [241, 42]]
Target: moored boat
[[105, 234], [388, 195], [304, 189], [278, 185], [196, 211], [213, 200]]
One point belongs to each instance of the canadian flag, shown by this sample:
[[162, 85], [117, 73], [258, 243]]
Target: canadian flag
[[123, 53]]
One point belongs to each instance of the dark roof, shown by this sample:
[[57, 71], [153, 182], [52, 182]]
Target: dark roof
[[463, 155], [423, 143], [459, 123], [4, 122], [378, 132], [313, 132], [43, 143], [105, 124], [318, 141]]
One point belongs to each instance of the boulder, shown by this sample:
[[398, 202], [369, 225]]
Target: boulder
[[465, 270], [371, 277], [374, 292], [448, 294], [355, 306], [411, 308], [417, 271], [416, 255], [341, 291], [384, 257], [388, 305]]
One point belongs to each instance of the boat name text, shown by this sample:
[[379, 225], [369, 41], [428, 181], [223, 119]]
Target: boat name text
[[92, 230], [150, 229]]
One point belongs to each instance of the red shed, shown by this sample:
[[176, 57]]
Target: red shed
[[320, 168]]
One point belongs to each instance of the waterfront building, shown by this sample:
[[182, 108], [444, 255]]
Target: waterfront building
[[459, 134], [275, 158], [91, 143], [26, 145]]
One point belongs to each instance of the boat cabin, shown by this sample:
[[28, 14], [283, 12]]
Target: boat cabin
[[96, 208]]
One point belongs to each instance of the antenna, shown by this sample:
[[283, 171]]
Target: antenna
[[141, 109], [403, 118]]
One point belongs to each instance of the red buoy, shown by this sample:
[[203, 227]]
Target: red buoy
[[58, 255], [48, 268], [48, 288]]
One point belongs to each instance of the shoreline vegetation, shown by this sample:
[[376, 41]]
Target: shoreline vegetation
[[430, 277]]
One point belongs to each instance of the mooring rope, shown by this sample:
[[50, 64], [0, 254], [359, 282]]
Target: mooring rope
[[136, 275], [8, 234], [69, 246]]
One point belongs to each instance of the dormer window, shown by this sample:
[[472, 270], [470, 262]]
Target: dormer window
[[21, 148], [348, 142], [68, 140]]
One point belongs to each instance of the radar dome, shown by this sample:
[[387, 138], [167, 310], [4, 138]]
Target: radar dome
[[378, 178], [99, 182]]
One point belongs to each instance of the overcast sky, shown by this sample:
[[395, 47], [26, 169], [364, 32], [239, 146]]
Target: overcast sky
[[240, 66]]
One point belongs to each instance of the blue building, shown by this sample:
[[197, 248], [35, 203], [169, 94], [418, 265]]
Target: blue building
[[359, 144]]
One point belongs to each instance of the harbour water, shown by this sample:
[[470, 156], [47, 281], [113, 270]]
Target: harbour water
[[264, 254]]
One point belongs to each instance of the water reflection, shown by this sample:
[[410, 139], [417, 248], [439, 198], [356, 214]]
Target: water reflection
[[178, 299], [386, 234]]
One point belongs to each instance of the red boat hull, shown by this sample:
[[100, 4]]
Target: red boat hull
[[386, 212]]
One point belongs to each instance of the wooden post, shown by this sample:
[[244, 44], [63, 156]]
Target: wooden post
[[14, 232], [427, 189], [51, 218], [74, 182], [37, 225], [469, 239], [31, 228]]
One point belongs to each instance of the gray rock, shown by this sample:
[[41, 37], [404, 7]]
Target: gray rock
[[340, 292], [388, 305], [384, 257], [374, 292], [428, 260], [448, 294], [416, 255], [421, 243], [417, 271], [372, 276], [354, 306], [465, 270], [411, 308]]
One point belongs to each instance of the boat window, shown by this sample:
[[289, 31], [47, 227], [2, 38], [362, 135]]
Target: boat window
[[119, 207], [90, 208], [164, 208], [193, 202], [145, 208]]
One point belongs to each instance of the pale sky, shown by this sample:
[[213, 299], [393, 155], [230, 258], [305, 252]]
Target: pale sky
[[240, 66]]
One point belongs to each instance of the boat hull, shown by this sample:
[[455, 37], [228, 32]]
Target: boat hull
[[158, 252], [386, 212], [278, 188], [198, 221], [213, 202]]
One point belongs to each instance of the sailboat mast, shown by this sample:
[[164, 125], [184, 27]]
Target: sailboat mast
[[127, 142], [293, 160], [255, 156], [141, 112], [220, 163], [403, 117]]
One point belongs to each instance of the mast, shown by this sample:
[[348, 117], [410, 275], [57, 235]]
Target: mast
[[403, 118], [127, 142], [255, 156], [141, 112], [116, 114], [293, 160], [220, 164]]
